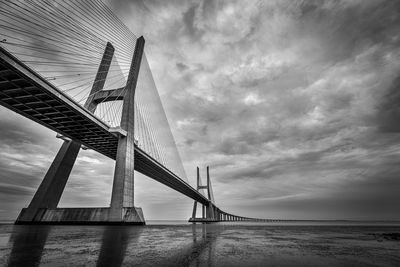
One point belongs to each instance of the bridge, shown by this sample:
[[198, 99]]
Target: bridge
[[26, 74]]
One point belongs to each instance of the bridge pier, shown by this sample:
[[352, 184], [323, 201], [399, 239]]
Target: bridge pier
[[123, 183], [52, 186], [43, 207], [50, 190], [210, 212]]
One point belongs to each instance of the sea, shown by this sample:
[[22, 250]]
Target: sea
[[179, 243]]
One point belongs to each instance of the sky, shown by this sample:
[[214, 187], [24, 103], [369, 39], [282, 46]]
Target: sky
[[294, 105]]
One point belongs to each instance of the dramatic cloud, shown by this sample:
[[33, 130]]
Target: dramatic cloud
[[293, 104]]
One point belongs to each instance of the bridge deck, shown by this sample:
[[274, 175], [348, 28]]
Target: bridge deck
[[27, 93]]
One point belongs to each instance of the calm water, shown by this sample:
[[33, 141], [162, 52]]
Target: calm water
[[181, 244]]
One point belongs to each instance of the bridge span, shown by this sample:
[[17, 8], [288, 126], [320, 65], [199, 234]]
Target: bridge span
[[83, 44], [27, 93]]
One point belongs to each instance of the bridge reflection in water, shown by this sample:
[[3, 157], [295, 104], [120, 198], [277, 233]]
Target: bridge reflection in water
[[219, 244], [179, 245]]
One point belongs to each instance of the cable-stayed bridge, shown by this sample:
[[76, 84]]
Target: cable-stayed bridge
[[75, 68]]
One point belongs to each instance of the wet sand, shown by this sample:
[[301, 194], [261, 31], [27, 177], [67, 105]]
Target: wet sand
[[234, 244]]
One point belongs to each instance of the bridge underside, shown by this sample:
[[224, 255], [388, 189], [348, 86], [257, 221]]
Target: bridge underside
[[25, 92]]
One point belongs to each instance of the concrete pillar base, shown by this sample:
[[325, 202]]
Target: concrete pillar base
[[83, 216], [203, 220]]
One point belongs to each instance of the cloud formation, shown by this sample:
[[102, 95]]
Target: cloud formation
[[288, 101], [293, 104]]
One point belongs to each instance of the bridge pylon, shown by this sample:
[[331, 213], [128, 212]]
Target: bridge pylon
[[210, 212], [43, 206]]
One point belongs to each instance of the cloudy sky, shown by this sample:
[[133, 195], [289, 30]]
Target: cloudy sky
[[293, 104]]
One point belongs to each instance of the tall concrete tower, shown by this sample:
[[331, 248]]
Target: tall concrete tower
[[43, 207]]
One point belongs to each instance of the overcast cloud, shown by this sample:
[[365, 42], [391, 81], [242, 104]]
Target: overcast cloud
[[293, 104]]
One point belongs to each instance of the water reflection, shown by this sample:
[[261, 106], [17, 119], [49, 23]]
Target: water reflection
[[196, 245], [187, 245], [28, 243], [201, 251], [114, 243]]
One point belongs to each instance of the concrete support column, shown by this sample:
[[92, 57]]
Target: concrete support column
[[194, 209], [123, 184], [214, 213], [209, 211], [208, 183], [195, 202], [50, 190], [101, 76]]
